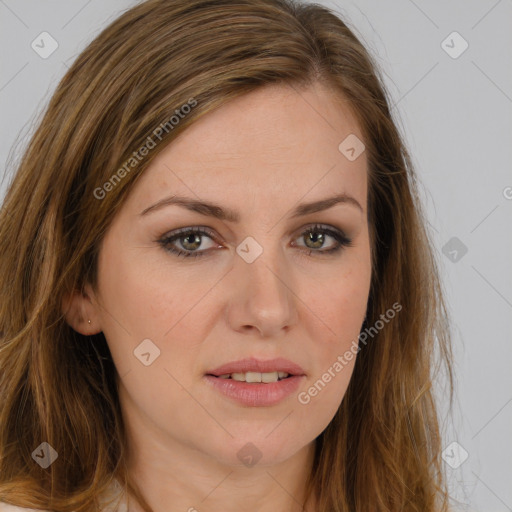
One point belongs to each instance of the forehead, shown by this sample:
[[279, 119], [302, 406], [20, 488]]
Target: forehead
[[276, 142]]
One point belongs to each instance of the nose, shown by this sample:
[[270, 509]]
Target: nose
[[262, 295]]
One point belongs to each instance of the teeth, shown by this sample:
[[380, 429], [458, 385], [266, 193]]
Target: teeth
[[266, 377], [255, 376]]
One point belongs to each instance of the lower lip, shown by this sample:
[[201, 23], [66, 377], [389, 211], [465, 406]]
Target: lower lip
[[253, 394]]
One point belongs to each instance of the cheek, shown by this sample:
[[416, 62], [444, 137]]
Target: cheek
[[339, 301], [143, 303], [147, 301], [340, 307]]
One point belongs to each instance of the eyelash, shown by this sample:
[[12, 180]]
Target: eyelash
[[342, 240]]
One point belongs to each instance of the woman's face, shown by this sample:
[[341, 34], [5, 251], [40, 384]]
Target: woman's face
[[263, 286]]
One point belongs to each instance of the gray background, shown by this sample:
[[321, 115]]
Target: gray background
[[455, 114]]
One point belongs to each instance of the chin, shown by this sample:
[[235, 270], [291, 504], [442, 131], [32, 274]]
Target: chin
[[256, 450]]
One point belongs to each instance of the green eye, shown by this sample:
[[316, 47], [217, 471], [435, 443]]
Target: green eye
[[190, 239]]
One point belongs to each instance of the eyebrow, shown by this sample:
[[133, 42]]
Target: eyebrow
[[213, 210]]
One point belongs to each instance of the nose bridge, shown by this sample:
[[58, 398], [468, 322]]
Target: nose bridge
[[263, 294]]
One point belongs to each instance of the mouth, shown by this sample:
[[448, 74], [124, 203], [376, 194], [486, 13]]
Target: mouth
[[255, 377], [254, 370], [253, 382]]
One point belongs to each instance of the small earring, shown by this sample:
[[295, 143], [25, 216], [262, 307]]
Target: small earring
[[89, 321]]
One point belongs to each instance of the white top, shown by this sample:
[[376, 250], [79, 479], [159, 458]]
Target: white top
[[5, 507], [115, 491]]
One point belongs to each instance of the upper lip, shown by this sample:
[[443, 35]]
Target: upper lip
[[257, 365]]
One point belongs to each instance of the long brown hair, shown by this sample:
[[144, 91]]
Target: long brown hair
[[382, 450]]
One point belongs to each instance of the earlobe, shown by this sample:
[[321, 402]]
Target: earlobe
[[80, 313]]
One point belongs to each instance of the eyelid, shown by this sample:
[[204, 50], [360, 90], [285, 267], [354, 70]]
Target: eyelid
[[188, 229], [212, 233]]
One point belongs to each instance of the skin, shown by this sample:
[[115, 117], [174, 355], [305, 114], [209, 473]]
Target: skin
[[261, 155]]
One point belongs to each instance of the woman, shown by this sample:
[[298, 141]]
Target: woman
[[218, 291]]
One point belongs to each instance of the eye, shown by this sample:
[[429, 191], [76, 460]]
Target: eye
[[315, 237], [190, 240]]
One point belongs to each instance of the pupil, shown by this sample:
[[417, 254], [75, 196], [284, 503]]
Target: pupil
[[196, 238], [318, 236]]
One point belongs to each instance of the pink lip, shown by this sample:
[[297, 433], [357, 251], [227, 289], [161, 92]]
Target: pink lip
[[255, 365], [256, 394]]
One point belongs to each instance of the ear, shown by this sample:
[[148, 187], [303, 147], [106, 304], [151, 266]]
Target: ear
[[78, 309]]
